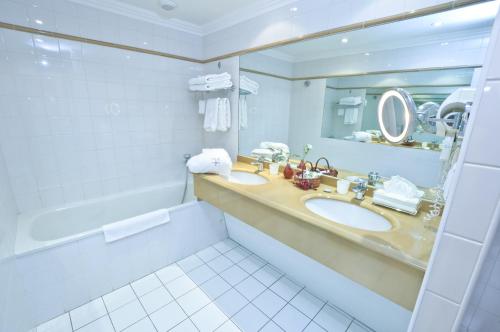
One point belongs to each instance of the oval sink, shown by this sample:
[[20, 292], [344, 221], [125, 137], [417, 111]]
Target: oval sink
[[246, 178], [348, 214]]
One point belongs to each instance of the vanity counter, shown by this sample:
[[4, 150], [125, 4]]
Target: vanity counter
[[391, 263]]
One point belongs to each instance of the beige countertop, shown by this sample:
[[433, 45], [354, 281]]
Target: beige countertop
[[409, 241]]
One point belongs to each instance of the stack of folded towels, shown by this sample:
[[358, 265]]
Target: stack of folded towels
[[268, 149], [215, 161], [351, 101], [217, 112], [248, 86], [400, 194], [211, 82]]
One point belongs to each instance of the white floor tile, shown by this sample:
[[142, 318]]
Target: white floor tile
[[285, 288], [231, 302], [103, 324], [146, 284], [291, 320], [208, 254], [168, 317], [234, 275], [193, 301], [225, 246], [127, 315], [189, 263], [119, 297], [237, 254], [220, 264], [59, 324], [252, 263], [358, 327], [250, 319], [144, 325], [87, 313], [156, 299], [269, 303], [180, 286], [271, 327], [215, 287], [307, 303], [331, 319], [228, 326], [169, 273], [185, 326], [267, 275], [208, 318], [313, 327], [250, 288], [201, 274]]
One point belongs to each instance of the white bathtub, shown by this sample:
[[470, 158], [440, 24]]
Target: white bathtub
[[49, 227]]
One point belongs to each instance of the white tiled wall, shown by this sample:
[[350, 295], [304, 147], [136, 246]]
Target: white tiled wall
[[463, 271], [79, 121]]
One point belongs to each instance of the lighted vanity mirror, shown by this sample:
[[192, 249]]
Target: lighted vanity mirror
[[326, 92]]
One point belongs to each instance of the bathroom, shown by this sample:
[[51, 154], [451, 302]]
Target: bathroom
[[267, 165]]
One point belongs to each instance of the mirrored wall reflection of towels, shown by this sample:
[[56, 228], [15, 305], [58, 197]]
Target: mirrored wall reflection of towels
[[351, 115]]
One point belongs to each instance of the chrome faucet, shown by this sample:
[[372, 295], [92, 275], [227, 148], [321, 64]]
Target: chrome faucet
[[373, 178], [360, 190], [260, 165]]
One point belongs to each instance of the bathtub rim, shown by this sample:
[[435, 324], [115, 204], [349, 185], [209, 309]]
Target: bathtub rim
[[26, 245]]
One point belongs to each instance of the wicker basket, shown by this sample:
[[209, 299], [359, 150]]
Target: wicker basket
[[306, 183]]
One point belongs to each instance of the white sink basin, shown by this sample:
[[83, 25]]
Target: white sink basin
[[348, 214], [246, 178]]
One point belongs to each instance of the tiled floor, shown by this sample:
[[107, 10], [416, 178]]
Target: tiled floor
[[222, 288]]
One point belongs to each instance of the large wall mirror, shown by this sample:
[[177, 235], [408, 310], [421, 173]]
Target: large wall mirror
[[376, 99]]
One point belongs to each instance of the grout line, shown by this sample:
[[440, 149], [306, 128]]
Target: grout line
[[143, 308], [107, 311]]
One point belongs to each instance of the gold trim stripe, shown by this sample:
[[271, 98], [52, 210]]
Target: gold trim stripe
[[356, 26]]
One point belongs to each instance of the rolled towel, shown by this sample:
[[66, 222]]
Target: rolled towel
[[215, 161], [275, 146], [265, 153], [362, 136], [211, 86], [210, 78]]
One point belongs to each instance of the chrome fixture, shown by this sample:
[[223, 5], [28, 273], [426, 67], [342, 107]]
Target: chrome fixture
[[360, 190], [168, 5], [373, 178], [260, 165]]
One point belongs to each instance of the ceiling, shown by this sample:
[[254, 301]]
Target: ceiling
[[472, 21]]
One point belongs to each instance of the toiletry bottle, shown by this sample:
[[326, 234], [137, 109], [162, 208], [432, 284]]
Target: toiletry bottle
[[288, 171]]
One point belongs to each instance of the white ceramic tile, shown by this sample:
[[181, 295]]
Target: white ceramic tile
[[452, 267], [252, 263], [234, 275], [250, 319], [435, 314], [228, 326], [231, 302], [193, 301], [358, 327], [237, 254], [331, 319], [201, 274], [313, 327], [144, 325], [209, 318], [103, 324], [156, 299], [250, 288], [119, 297], [269, 303], [220, 264], [307, 303], [271, 327], [267, 275], [127, 315], [291, 320], [146, 284], [168, 317], [225, 246], [484, 321], [285, 288], [190, 263], [208, 254], [180, 286], [215, 287], [59, 324], [169, 273], [87, 313], [185, 326]]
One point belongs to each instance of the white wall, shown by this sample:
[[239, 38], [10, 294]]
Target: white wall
[[468, 243]]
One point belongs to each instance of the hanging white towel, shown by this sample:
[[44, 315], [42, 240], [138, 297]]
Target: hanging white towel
[[127, 227], [210, 78], [351, 115], [243, 116], [211, 114], [202, 105], [211, 86], [224, 115]]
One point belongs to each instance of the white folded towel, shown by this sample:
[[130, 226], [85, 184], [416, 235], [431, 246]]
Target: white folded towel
[[224, 115], [211, 86], [351, 101], [249, 86], [362, 136], [275, 146], [265, 153], [211, 114], [127, 227], [211, 161], [408, 205], [243, 115], [202, 105], [351, 115], [210, 78]]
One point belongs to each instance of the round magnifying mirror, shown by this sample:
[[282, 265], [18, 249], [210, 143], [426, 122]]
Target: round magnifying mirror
[[396, 115]]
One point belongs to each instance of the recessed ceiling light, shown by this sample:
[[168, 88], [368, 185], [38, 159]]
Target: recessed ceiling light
[[294, 9], [437, 24], [444, 44], [345, 40], [37, 21], [168, 4], [487, 88], [367, 54]]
